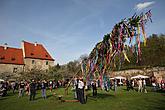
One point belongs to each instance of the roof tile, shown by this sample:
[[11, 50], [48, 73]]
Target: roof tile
[[36, 51], [11, 56]]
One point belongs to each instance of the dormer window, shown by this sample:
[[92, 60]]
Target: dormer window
[[32, 54], [46, 55], [12, 59], [2, 58]]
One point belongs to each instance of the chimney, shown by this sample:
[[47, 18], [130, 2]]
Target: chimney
[[5, 46], [35, 44], [23, 47]]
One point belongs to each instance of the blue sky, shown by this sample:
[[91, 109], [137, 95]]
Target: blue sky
[[69, 28]]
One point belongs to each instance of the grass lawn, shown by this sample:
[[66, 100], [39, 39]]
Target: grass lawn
[[123, 100]]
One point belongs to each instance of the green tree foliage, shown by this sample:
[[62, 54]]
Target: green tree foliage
[[54, 72], [153, 54], [64, 71], [36, 74]]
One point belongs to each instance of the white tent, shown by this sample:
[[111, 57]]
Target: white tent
[[1, 80], [139, 76], [120, 77]]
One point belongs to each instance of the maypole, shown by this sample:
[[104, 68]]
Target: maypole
[[113, 46]]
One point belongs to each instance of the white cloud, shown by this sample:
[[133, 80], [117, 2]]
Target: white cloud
[[144, 5]]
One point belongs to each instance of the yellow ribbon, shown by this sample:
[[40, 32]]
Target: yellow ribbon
[[125, 56]]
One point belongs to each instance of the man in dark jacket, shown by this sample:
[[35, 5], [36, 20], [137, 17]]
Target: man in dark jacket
[[32, 90], [94, 87]]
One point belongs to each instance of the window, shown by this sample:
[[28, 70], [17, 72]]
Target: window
[[2, 58], [14, 70], [46, 55], [12, 59], [32, 54], [33, 61], [47, 63]]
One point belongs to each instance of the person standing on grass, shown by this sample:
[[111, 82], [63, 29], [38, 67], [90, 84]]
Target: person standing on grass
[[106, 86], [81, 91], [140, 85], [43, 89], [32, 90], [127, 84], [132, 85], [27, 88], [115, 85], [77, 89], [21, 89], [144, 86], [50, 85], [75, 86], [94, 87], [109, 84], [13, 86]]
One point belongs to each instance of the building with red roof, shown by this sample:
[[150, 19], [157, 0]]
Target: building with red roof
[[30, 56], [36, 56], [11, 60]]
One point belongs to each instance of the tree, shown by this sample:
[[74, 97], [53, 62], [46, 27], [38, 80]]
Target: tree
[[153, 54], [54, 72]]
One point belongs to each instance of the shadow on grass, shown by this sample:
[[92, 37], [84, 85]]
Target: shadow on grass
[[158, 105], [48, 96], [104, 95], [134, 89], [11, 93], [3, 98], [161, 91], [100, 96], [125, 89]]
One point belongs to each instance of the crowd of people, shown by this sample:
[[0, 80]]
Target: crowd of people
[[140, 83], [29, 87]]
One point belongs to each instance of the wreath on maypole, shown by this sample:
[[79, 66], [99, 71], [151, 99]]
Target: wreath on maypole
[[113, 46]]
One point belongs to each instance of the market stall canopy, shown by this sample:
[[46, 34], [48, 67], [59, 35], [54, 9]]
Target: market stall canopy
[[139, 76], [120, 77], [1, 80]]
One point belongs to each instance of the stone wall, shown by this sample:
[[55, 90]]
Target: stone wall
[[130, 72], [10, 69], [158, 72], [37, 64]]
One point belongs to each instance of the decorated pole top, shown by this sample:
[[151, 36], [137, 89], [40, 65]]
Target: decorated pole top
[[103, 56]]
